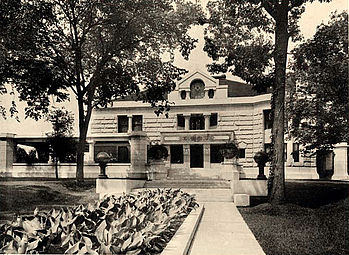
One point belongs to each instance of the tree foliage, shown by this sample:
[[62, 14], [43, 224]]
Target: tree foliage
[[100, 50], [318, 105], [250, 40]]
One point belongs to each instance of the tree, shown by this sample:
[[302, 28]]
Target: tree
[[61, 141], [318, 104], [250, 40], [101, 51]]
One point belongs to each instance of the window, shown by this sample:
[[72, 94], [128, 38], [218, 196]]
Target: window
[[183, 94], [295, 152], [210, 93], [213, 119], [197, 89], [176, 152], [123, 154], [197, 122], [137, 121], [215, 155], [267, 119], [122, 124], [242, 153], [180, 120], [119, 152]]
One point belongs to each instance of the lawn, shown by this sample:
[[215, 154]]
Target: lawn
[[314, 220], [22, 197]]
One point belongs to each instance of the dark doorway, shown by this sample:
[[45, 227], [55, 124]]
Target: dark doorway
[[196, 155]]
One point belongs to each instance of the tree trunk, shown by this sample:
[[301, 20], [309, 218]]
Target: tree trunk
[[84, 121], [81, 144], [277, 189], [56, 167], [348, 131]]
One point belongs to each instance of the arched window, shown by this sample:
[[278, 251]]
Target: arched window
[[197, 89]]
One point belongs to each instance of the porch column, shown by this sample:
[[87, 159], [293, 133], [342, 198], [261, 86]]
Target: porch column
[[207, 120], [129, 123], [7, 149], [186, 121], [207, 152], [186, 155], [340, 162], [91, 151]]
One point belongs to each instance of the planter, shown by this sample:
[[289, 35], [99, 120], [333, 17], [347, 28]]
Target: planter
[[157, 170]]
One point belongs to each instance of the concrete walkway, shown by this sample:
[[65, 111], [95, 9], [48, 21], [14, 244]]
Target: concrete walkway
[[223, 231]]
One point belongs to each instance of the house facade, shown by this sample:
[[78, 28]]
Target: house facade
[[207, 112]]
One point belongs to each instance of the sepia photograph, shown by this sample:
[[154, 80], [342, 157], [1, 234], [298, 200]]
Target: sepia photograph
[[174, 127]]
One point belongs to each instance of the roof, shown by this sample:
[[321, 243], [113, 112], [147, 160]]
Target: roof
[[239, 89]]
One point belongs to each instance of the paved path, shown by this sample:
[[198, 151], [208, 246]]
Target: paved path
[[223, 231]]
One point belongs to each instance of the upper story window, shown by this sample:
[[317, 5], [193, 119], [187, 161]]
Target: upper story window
[[267, 119], [197, 122], [180, 121], [137, 121], [210, 93], [122, 124], [183, 94], [197, 89], [213, 119]]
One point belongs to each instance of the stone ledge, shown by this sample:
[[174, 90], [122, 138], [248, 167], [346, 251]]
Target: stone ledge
[[182, 240]]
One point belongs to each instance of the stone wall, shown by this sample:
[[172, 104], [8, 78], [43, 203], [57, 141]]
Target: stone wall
[[65, 170]]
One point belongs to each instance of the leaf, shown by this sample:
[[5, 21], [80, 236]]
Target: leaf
[[87, 241], [33, 245], [100, 231], [73, 249], [126, 244], [134, 252], [137, 240]]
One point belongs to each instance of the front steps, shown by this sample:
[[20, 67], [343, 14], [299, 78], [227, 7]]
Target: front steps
[[205, 190], [188, 184]]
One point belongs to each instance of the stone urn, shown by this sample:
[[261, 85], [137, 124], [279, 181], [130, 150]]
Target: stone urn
[[229, 169], [157, 155], [103, 158], [261, 158]]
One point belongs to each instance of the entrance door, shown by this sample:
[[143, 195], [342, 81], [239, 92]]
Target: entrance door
[[196, 156]]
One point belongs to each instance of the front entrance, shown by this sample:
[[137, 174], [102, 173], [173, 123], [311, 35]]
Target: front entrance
[[196, 156]]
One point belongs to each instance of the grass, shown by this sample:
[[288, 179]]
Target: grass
[[22, 197], [314, 220]]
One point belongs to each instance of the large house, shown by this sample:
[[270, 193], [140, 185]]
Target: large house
[[206, 113]]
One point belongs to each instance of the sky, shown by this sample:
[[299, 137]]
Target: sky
[[315, 14]]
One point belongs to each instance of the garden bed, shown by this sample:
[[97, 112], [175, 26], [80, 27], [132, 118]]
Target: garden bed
[[131, 224]]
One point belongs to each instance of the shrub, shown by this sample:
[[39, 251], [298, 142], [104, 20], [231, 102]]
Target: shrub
[[229, 150], [129, 224]]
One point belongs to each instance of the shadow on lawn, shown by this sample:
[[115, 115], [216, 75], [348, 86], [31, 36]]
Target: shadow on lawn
[[314, 220]]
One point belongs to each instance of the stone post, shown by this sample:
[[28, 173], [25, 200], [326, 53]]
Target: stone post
[[138, 142], [207, 121], [7, 150], [129, 124], [186, 121], [207, 163], [229, 170], [340, 162]]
